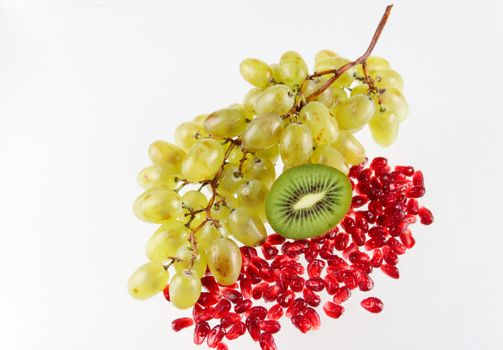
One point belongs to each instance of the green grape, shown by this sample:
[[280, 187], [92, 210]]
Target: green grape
[[166, 157], [277, 99], [230, 179], [394, 100], [195, 200], [247, 227], [235, 156], [271, 154], [354, 113], [200, 264], [199, 120], [186, 134], [384, 127], [296, 145], [198, 219], [224, 261], [166, 241], [360, 90], [225, 123], [350, 148], [256, 72], [323, 126], [184, 289], [276, 74], [327, 97], [252, 193], [158, 205], [220, 212], [203, 160], [328, 155], [373, 62], [148, 280], [259, 168], [205, 235], [387, 79], [346, 79], [153, 177], [248, 113], [292, 69], [250, 100], [325, 54], [262, 133]]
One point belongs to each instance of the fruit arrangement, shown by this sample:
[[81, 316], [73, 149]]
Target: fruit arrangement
[[337, 217]]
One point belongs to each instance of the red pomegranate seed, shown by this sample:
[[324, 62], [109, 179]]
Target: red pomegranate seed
[[391, 271], [405, 170], [165, 292], [412, 206], [348, 224], [296, 308], [315, 284], [390, 257], [201, 314], [426, 216], [258, 290], [350, 249], [338, 263], [286, 298], [378, 163], [313, 317], [275, 239], [208, 299], [327, 249], [200, 332], [349, 279], [342, 294], [311, 297], [358, 236], [258, 312], [230, 319], [418, 179], [245, 284], [407, 239], [243, 306], [266, 342], [269, 251], [215, 337], [270, 326], [297, 284], [210, 284], [377, 258], [302, 323], [275, 312], [271, 293], [222, 308], [372, 304], [237, 330], [252, 324], [359, 201], [341, 241], [296, 266], [331, 284], [397, 247], [279, 261], [333, 310], [415, 192], [375, 207], [315, 267], [313, 251], [358, 257], [365, 283], [181, 323], [222, 346]]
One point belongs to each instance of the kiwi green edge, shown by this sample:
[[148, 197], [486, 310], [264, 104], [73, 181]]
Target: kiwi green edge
[[283, 181]]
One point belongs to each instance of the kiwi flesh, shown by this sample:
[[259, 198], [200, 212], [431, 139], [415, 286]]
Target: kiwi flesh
[[308, 200]]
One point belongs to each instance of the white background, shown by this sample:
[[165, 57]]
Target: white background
[[86, 85]]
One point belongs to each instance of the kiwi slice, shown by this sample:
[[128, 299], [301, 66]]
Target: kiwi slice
[[308, 200]]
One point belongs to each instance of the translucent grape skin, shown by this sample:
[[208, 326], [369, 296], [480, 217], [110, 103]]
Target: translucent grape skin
[[277, 99], [296, 145], [250, 99], [194, 199], [148, 280], [165, 242], [224, 261], [153, 177], [166, 157], [323, 126], [224, 123], [325, 54], [292, 69], [184, 289], [263, 132], [158, 206], [186, 135], [394, 100], [203, 160], [259, 168], [350, 148], [387, 79], [205, 235], [230, 179], [384, 127], [354, 113], [252, 194], [200, 264], [247, 227], [346, 79], [256, 72], [328, 155]]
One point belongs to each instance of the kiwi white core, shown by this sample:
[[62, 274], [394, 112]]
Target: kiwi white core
[[309, 200]]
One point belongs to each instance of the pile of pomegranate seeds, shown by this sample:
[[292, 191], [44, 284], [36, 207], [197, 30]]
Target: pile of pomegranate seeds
[[287, 277]]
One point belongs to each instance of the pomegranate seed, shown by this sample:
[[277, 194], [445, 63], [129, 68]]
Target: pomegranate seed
[[222, 346], [365, 283], [390, 257], [372, 304], [311, 297], [348, 224], [342, 294], [222, 308], [266, 342], [412, 206], [377, 258], [237, 330], [338, 263], [201, 330], [415, 192], [378, 163], [269, 251], [359, 201], [243, 306], [258, 290], [286, 298], [296, 266], [350, 249], [341, 241], [331, 284], [165, 292], [181, 323], [229, 319], [271, 293], [418, 179], [407, 240], [208, 299], [210, 284], [358, 236], [333, 310], [201, 314], [275, 239], [252, 324], [302, 323], [426, 216], [270, 326], [258, 312], [297, 284], [397, 247], [245, 284], [296, 308], [313, 317], [275, 312], [391, 271], [315, 267], [313, 251], [279, 261], [405, 170], [326, 249], [215, 337], [348, 278], [375, 207], [315, 284]]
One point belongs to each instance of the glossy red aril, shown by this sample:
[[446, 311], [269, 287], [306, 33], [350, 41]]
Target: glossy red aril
[[181, 323], [302, 323], [425, 215], [372, 304], [237, 330], [333, 310], [215, 336], [275, 312], [266, 342], [200, 332]]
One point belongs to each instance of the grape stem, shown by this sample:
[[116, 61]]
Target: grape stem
[[341, 70]]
